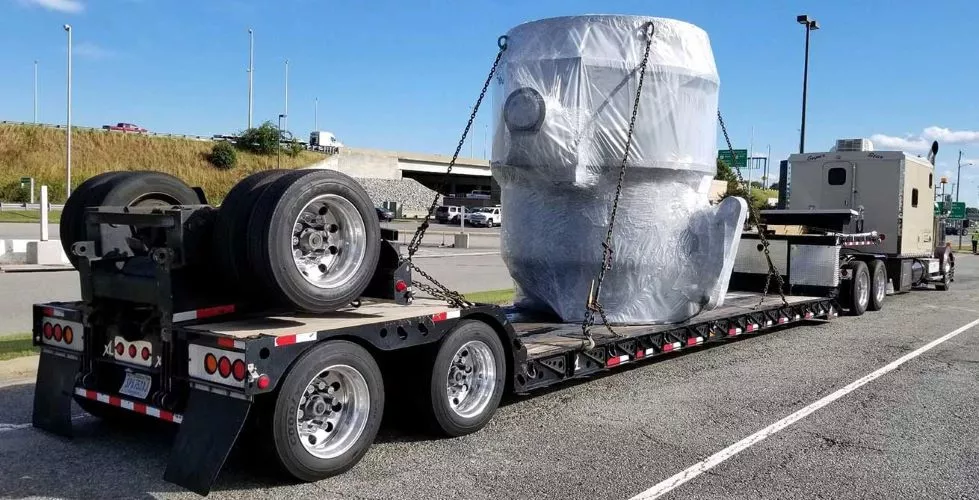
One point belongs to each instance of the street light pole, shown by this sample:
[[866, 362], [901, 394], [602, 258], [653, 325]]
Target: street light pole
[[810, 24], [278, 144], [67, 28], [251, 73], [316, 113], [35, 91], [285, 112]]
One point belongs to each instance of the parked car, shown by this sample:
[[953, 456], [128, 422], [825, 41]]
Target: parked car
[[384, 214], [125, 127], [489, 217], [449, 213]]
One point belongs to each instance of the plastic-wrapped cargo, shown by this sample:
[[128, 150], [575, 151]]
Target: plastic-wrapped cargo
[[562, 106]]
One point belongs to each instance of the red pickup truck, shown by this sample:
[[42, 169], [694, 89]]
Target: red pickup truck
[[125, 127]]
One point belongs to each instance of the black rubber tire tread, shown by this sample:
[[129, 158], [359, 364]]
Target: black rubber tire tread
[[230, 237], [141, 186], [270, 236], [293, 458], [876, 266], [439, 416], [88, 194], [856, 309]]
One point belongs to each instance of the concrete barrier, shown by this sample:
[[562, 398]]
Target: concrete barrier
[[32, 252]]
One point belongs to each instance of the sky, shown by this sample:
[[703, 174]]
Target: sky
[[402, 75]]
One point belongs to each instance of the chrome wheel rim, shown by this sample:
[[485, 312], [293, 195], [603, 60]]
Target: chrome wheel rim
[[333, 411], [863, 289], [329, 241], [471, 379], [880, 282]]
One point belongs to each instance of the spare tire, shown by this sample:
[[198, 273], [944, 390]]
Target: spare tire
[[124, 189], [314, 240], [230, 238]]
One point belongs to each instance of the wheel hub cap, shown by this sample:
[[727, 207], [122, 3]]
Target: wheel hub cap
[[333, 411], [471, 380], [329, 241]]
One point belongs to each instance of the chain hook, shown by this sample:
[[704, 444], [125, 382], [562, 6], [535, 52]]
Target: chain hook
[[502, 42]]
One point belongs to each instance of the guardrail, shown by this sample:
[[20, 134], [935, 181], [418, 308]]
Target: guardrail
[[6, 207]]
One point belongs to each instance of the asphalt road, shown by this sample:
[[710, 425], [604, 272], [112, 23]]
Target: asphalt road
[[909, 434]]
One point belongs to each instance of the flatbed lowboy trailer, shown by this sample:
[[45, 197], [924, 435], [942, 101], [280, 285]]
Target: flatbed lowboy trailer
[[150, 338]]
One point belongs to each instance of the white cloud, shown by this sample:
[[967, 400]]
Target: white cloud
[[91, 51], [67, 6], [922, 142]]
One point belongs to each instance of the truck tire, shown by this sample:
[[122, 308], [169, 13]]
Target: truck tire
[[878, 285], [314, 240], [125, 189], [857, 291], [327, 411], [230, 237], [467, 380]]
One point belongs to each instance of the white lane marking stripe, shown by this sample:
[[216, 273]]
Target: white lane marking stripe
[[716, 459], [17, 427]]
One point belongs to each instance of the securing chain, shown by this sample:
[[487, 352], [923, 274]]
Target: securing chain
[[756, 220], [594, 303], [437, 289]]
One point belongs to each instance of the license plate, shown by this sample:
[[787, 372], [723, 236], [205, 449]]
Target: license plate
[[136, 385]]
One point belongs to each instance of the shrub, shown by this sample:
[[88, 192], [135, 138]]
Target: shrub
[[294, 148], [223, 156], [263, 139]]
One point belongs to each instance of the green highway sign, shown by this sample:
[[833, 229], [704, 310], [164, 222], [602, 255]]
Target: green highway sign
[[956, 211], [740, 160]]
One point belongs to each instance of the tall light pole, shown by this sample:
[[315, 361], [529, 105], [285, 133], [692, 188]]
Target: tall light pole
[[316, 113], [278, 144], [810, 24], [35, 91], [285, 112], [958, 183], [68, 125], [251, 73]]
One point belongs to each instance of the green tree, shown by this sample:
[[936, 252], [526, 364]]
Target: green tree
[[223, 156], [263, 139]]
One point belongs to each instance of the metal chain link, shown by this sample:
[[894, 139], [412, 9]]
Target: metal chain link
[[440, 291], [756, 219], [594, 304]]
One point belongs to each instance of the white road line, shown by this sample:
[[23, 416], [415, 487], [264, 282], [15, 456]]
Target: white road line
[[17, 427], [456, 254], [716, 459]]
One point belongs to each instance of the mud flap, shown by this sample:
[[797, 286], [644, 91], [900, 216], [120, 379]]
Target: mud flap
[[53, 393], [210, 427]]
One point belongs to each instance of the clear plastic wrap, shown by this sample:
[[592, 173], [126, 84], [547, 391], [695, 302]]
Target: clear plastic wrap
[[563, 101]]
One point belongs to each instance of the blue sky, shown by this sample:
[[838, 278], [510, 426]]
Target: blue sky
[[402, 74]]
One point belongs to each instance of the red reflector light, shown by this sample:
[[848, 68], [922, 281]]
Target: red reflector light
[[132, 351], [146, 354], [226, 342], [57, 333], [48, 330], [263, 382], [68, 334], [238, 370], [692, 341], [224, 367], [882, 236], [120, 348], [400, 286], [209, 312], [210, 364]]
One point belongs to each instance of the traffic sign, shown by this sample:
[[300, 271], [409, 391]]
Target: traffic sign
[[740, 158], [25, 181], [956, 210]]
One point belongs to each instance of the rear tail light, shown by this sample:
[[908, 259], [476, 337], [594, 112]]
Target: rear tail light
[[136, 352], [59, 332], [217, 365], [224, 367]]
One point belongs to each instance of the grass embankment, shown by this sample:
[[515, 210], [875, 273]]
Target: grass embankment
[[491, 297], [39, 152], [54, 216], [15, 346]]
